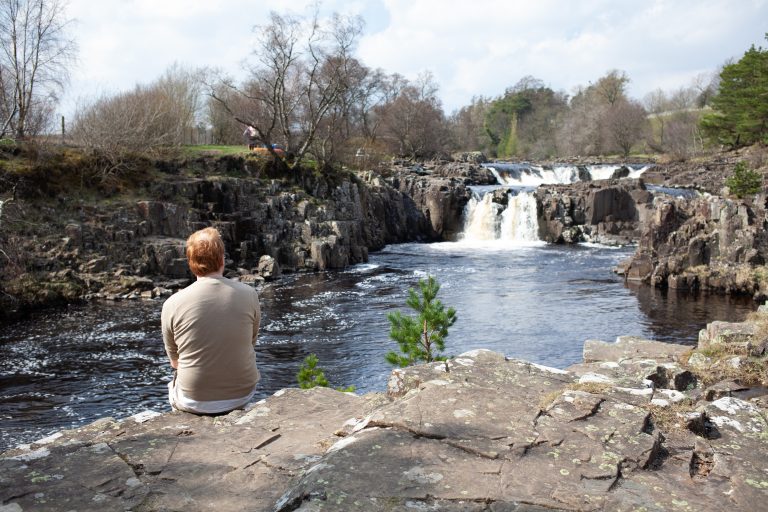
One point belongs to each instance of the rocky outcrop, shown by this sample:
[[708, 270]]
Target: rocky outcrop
[[475, 157], [440, 200], [707, 243], [707, 174], [468, 169], [304, 221], [610, 211], [638, 425]]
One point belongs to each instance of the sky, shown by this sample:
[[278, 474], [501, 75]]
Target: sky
[[472, 48]]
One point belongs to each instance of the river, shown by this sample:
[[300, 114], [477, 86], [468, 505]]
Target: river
[[513, 294], [71, 366]]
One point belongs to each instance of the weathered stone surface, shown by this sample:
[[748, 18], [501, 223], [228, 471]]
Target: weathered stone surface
[[632, 348], [719, 333], [705, 243], [610, 212], [479, 432], [303, 220], [178, 461]]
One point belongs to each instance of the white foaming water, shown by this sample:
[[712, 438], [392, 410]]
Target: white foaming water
[[519, 222], [488, 223], [602, 172], [636, 173], [362, 268], [481, 219], [533, 175]]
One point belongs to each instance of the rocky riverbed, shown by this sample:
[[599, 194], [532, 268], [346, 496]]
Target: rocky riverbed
[[639, 425]]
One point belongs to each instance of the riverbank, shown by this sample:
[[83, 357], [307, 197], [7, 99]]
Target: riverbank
[[67, 235], [637, 424], [62, 243]]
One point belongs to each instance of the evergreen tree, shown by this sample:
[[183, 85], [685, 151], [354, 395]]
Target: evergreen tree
[[744, 182], [311, 376], [741, 104], [421, 338]]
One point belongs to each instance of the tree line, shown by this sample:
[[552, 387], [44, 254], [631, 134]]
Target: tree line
[[306, 91]]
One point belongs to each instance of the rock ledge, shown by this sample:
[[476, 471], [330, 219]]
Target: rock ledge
[[631, 428]]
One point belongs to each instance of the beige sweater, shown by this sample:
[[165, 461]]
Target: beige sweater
[[211, 327]]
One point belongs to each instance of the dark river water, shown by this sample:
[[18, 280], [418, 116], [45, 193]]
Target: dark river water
[[69, 367]]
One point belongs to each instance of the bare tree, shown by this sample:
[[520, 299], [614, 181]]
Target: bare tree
[[706, 85], [657, 104], [301, 73], [224, 128], [467, 125], [181, 90], [626, 123], [141, 121], [35, 54], [580, 130], [612, 87], [414, 119]]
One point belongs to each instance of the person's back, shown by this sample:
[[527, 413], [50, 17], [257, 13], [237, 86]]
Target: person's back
[[209, 331]]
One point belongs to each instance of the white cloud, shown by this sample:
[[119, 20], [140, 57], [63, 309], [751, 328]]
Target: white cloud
[[473, 48]]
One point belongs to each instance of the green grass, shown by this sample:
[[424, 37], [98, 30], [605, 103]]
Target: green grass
[[215, 150]]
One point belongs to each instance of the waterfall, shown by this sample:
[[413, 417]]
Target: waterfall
[[488, 220], [519, 221], [481, 218], [529, 175], [506, 215]]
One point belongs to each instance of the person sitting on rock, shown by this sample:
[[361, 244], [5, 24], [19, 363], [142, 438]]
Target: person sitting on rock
[[209, 331]]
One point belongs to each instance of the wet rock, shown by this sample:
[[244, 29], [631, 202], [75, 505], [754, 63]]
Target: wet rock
[[268, 267], [606, 211]]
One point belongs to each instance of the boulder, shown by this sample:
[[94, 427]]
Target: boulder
[[268, 267]]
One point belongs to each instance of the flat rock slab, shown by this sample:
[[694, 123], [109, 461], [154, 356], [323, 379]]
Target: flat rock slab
[[179, 461], [478, 433], [631, 348]]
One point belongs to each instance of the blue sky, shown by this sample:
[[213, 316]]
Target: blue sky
[[472, 48]]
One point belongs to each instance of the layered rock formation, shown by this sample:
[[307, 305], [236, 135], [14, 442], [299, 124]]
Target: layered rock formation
[[303, 221], [635, 427], [608, 211], [707, 173], [706, 243]]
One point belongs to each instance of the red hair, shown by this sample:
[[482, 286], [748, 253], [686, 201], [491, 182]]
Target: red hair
[[205, 251]]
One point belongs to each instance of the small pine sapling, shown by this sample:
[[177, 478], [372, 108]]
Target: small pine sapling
[[744, 181], [421, 338], [311, 376]]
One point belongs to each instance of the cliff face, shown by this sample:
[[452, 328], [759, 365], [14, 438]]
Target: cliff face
[[277, 222], [703, 242], [270, 223], [607, 211], [707, 243]]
